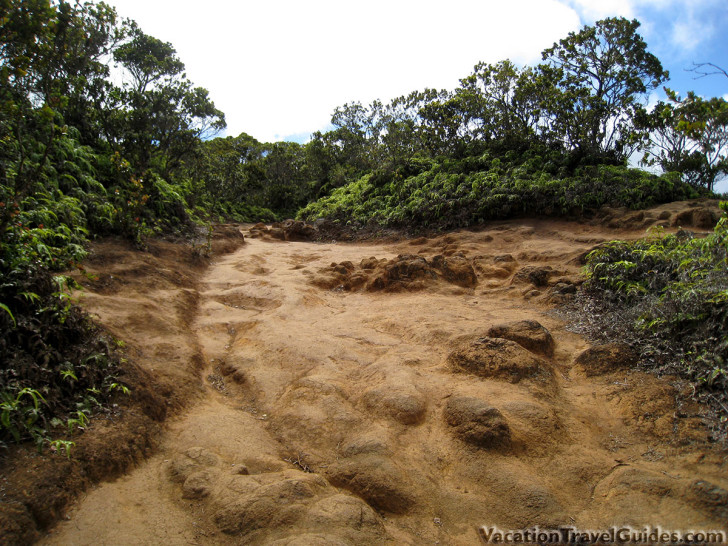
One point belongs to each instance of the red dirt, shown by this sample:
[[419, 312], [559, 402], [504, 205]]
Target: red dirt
[[302, 393]]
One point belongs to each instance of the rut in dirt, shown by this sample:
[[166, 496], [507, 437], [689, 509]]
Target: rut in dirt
[[395, 393]]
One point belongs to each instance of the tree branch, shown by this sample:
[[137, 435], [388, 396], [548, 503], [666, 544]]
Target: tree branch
[[702, 70]]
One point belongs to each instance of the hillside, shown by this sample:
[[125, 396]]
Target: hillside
[[293, 392]]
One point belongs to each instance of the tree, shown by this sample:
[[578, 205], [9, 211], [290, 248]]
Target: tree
[[221, 167], [401, 139], [504, 104], [50, 58], [286, 185], [158, 117], [441, 124], [689, 136], [148, 60], [707, 69], [603, 72]]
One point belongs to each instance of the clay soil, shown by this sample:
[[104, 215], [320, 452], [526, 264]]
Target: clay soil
[[399, 392]]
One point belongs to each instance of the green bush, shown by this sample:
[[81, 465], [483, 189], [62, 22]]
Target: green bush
[[459, 193], [55, 361], [668, 296]]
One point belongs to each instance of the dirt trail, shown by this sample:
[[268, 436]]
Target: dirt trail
[[333, 399]]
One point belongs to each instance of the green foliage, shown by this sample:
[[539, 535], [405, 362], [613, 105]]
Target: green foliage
[[63, 176], [689, 136], [603, 71], [458, 193], [671, 294], [53, 355]]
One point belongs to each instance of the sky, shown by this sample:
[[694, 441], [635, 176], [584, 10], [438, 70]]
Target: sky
[[279, 68]]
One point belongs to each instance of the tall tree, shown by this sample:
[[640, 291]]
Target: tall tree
[[505, 104], [690, 136], [158, 116], [604, 72]]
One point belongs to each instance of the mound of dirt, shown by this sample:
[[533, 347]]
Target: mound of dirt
[[529, 334], [296, 415], [375, 479], [606, 358], [402, 404], [703, 218], [476, 422], [405, 272], [538, 276], [497, 358], [289, 230]]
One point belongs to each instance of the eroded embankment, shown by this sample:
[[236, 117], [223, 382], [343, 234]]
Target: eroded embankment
[[395, 393]]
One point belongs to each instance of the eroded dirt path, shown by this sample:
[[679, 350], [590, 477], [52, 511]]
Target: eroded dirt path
[[329, 407]]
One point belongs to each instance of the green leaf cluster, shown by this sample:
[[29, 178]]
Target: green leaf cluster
[[80, 156], [457, 193], [671, 292]]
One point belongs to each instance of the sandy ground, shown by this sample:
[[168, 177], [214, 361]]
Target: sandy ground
[[317, 396]]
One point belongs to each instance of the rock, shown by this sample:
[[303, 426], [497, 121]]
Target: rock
[[197, 486], [258, 230], [245, 517], [504, 259], [537, 418], [498, 358], [369, 263], [277, 233], [192, 461], [602, 359], [700, 218], [296, 230], [563, 288], [535, 275], [279, 502], [709, 498], [406, 407], [476, 422], [704, 219], [561, 293], [403, 269], [405, 272], [344, 512], [529, 334], [456, 269], [375, 479]]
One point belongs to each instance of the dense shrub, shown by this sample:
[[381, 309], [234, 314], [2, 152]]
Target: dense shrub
[[451, 194], [668, 296], [57, 366]]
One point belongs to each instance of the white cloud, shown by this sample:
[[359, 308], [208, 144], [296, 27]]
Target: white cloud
[[280, 67], [680, 26], [593, 10], [684, 35], [693, 28]]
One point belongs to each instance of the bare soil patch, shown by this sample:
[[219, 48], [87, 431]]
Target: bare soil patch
[[281, 401]]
